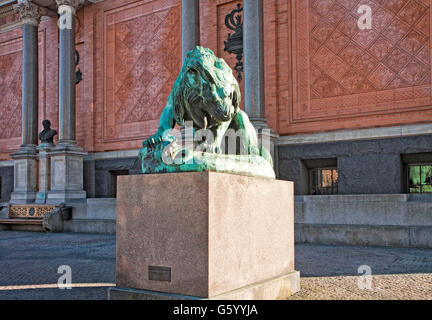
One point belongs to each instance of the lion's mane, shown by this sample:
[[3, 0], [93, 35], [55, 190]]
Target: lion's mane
[[208, 65]]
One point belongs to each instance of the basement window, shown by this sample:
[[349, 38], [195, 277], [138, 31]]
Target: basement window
[[420, 178], [417, 173], [322, 176], [323, 181], [112, 192]]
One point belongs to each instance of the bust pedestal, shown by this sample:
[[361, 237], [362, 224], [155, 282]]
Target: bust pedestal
[[44, 171], [204, 235]]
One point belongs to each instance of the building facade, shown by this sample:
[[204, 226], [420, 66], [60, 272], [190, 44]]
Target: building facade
[[350, 108]]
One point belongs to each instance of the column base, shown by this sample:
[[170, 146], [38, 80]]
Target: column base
[[26, 151], [57, 197], [268, 139], [274, 289], [66, 143], [23, 197]]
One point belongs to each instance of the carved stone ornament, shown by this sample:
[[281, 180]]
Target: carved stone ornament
[[29, 12], [74, 4]]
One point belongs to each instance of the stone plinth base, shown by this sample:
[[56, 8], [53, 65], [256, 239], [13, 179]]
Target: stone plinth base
[[67, 174], [25, 175], [206, 235], [278, 288]]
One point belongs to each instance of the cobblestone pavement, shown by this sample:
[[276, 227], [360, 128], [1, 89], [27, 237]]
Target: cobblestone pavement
[[331, 273], [328, 272], [34, 258]]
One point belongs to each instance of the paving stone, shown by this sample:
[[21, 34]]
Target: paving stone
[[328, 272], [34, 258], [331, 273]]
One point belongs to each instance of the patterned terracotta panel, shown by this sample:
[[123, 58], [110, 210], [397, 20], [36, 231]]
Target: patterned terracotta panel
[[142, 62], [10, 91], [343, 71], [350, 60]]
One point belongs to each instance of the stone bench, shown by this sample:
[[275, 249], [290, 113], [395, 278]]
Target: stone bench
[[22, 221], [22, 225]]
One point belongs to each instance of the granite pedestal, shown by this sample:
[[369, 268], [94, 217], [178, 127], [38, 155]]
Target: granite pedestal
[[204, 236], [44, 172]]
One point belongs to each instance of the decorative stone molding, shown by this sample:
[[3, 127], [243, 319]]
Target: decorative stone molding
[[29, 12], [5, 11], [30, 211], [359, 134], [70, 3]]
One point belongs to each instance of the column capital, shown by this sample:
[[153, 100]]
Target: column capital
[[73, 4], [29, 12]]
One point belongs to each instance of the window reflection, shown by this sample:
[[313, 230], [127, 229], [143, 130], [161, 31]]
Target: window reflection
[[324, 181], [420, 178]]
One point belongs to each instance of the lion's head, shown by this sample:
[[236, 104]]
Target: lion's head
[[206, 91]]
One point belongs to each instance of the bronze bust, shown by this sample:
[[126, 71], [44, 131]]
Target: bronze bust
[[47, 134]]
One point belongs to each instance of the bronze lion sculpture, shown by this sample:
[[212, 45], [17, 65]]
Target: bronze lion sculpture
[[207, 95]]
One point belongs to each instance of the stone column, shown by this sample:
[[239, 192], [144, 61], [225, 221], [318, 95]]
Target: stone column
[[67, 168], [254, 94], [25, 159], [190, 20], [253, 47], [67, 91], [190, 26]]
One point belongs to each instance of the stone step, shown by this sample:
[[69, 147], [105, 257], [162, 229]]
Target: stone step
[[22, 221]]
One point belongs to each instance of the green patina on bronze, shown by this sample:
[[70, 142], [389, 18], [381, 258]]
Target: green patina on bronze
[[207, 94]]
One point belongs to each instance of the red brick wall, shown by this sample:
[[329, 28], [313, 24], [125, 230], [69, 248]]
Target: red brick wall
[[322, 72]]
